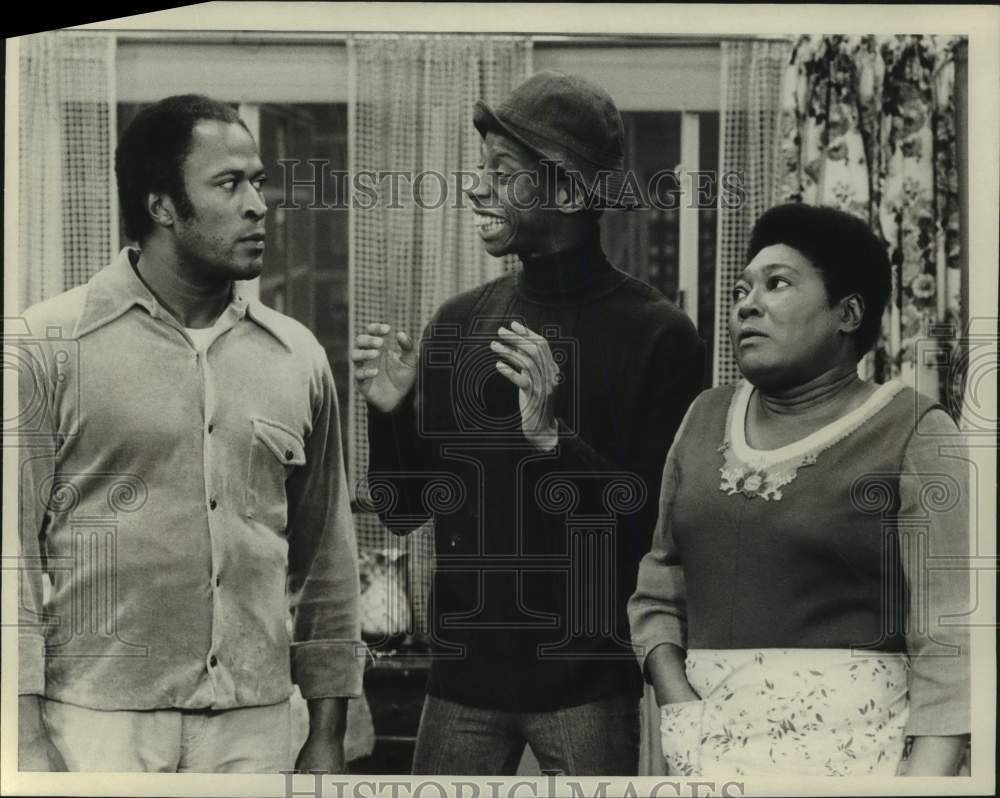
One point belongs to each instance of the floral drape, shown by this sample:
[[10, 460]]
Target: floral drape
[[867, 124]]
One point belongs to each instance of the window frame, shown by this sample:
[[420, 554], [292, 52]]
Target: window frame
[[258, 68]]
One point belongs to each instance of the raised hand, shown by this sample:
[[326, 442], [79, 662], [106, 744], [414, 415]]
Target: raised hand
[[385, 366], [526, 360]]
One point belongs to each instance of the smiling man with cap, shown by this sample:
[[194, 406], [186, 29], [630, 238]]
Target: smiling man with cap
[[546, 399]]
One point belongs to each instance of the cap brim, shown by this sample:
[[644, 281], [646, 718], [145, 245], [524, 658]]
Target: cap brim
[[485, 119]]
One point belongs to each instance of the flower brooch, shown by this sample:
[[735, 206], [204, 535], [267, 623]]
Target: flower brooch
[[758, 480]]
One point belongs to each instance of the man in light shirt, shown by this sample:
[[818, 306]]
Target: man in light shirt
[[201, 430]]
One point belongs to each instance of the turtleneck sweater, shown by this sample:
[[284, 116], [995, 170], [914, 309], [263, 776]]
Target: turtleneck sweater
[[537, 552]]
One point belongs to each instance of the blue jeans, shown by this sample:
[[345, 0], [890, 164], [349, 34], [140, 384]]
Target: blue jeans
[[596, 739]]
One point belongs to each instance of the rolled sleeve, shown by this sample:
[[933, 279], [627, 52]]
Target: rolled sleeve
[[327, 654], [934, 485], [328, 669]]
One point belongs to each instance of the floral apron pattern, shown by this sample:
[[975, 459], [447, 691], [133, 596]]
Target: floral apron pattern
[[803, 712]]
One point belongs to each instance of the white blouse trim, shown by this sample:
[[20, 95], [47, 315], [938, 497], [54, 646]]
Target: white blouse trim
[[813, 443]]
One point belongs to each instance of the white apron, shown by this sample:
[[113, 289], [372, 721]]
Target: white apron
[[802, 712]]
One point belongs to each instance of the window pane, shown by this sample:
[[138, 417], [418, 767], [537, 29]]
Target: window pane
[[305, 262], [644, 242], [708, 146]]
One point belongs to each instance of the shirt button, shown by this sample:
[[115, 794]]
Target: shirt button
[[213, 661], [210, 428], [218, 581], [213, 504], [288, 454]]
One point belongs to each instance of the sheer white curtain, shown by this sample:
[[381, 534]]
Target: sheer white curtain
[[749, 140], [411, 112], [67, 203]]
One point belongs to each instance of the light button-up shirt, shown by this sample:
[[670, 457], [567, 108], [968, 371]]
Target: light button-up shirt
[[181, 502]]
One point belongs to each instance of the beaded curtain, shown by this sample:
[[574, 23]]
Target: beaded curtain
[[67, 216], [411, 111]]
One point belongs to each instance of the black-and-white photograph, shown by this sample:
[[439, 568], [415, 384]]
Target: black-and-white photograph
[[579, 401]]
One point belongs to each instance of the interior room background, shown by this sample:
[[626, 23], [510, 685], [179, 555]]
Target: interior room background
[[874, 125]]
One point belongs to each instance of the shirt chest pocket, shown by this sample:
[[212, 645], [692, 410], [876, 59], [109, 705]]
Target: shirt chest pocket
[[275, 452]]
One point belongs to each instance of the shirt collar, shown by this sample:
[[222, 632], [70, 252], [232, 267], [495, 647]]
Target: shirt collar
[[114, 290], [117, 288], [263, 316]]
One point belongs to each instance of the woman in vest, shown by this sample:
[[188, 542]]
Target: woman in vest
[[794, 616]]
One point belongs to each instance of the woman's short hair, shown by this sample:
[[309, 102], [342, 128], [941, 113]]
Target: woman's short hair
[[151, 152], [847, 253]]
